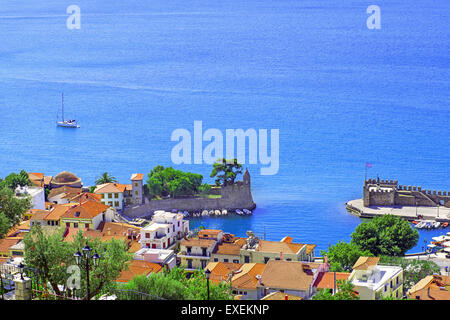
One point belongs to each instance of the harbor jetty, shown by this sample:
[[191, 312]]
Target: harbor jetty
[[409, 202]]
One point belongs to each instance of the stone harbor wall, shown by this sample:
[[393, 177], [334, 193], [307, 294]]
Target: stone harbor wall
[[236, 196]]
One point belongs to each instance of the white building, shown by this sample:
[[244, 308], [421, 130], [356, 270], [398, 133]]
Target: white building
[[164, 230], [159, 256], [373, 281], [37, 195]]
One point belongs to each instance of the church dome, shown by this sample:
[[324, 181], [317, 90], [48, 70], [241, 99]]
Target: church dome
[[66, 178]]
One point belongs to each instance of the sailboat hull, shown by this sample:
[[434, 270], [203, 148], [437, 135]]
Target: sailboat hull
[[67, 124]]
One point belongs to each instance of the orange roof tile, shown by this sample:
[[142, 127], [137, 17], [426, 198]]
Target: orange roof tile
[[229, 249], [138, 267], [87, 210], [137, 176], [363, 263], [6, 243], [209, 232], [325, 280], [289, 275], [277, 295], [57, 211], [197, 242], [246, 277], [64, 189], [37, 214], [110, 188]]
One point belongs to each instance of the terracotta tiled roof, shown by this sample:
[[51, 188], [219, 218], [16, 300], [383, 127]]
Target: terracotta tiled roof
[[138, 267], [36, 178], [197, 242], [277, 295], [64, 189], [37, 214], [433, 287], [220, 270], [87, 210], [246, 278], [363, 263], [58, 210], [277, 247], [110, 188], [6, 243], [229, 249], [309, 248], [325, 280], [289, 275], [18, 229], [137, 176], [209, 232], [86, 196]]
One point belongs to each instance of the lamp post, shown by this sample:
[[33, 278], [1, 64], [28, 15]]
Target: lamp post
[[21, 266], [84, 260], [207, 274]]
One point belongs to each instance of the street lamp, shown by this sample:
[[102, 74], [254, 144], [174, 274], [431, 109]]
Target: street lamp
[[21, 266], [83, 260], [207, 274]]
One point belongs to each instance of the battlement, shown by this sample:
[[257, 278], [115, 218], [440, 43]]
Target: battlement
[[389, 192]]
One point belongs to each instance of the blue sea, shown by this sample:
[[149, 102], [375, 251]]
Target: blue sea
[[340, 94]]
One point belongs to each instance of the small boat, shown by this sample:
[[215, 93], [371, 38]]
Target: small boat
[[63, 122], [415, 222], [247, 212], [436, 224], [224, 212], [420, 225], [217, 212], [239, 212], [445, 225]]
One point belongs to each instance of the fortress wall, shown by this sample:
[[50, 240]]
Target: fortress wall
[[381, 198], [236, 196]]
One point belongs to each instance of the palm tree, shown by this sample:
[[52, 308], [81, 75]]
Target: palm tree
[[105, 178]]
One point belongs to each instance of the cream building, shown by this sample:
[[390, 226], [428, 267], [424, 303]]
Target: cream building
[[373, 281]]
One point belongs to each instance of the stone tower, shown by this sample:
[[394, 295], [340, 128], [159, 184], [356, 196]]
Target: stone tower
[[137, 188]]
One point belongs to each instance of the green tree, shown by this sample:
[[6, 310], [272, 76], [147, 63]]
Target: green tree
[[176, 284], [342, 256], [226, 171], [413, 270], [105, 178], [13, 180], [12, 209], [168, 181], [345, 291], [385, 235], [46, 252]]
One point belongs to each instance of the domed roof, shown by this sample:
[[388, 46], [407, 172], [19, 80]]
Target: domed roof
[[66, 177]]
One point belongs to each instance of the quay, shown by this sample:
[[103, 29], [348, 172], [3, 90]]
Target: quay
[[410, 213]]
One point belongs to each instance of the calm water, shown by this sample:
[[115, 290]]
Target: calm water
[[340, 94]]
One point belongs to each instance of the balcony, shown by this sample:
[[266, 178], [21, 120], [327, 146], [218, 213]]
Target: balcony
[[185, 254]]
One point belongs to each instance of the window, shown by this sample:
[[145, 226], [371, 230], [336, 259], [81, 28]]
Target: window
[[266, 259], [75, 224], [110, 195], [103, 195], [216, 260], [225, 260], [147, 235], [289, 259], [110, 203], [391, 284], [116, 195], [385, 287], [135, 184], [86, 225], [246, 259], [68, 224], [137, 193], [116, 203], [397, 280], [235, 261]]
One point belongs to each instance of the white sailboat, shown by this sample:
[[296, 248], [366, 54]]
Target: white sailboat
[[66, 123]]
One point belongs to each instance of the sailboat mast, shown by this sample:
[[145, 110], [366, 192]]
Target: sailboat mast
[[62, 102]]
